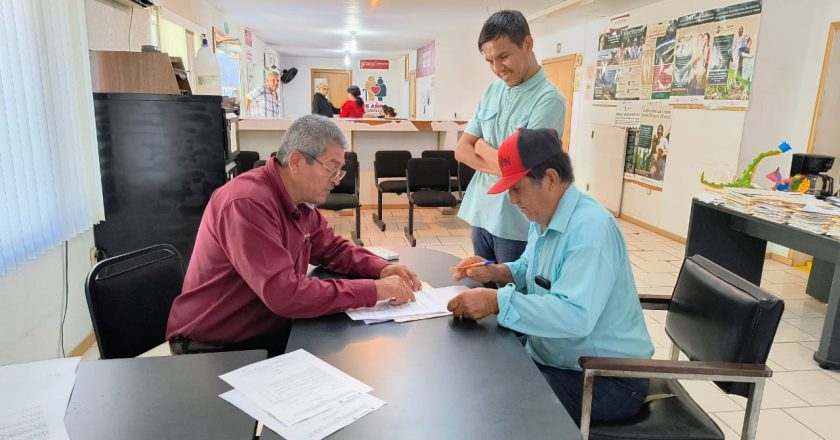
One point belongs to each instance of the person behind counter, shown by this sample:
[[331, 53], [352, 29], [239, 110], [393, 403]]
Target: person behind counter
[[265, 101], [386, 111], [354, 107], [321, 104]]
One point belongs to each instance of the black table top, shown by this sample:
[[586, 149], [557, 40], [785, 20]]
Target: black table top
[[443, 377], [173, 397]]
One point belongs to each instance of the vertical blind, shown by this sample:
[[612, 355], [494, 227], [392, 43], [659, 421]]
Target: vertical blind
[[50, 188]]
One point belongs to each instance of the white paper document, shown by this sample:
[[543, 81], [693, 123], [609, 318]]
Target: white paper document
[[313, 428], [35, 397], [429, 302], [295, 386]]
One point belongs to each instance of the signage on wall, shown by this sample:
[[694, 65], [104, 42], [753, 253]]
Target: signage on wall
[[426, 60], [249, 39], [374, 64]]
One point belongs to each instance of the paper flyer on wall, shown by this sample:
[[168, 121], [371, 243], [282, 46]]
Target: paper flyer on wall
[[627, 114], [733, 55], [661, 36], [608, 48], [691, 56], [629, 75], [654, 136]]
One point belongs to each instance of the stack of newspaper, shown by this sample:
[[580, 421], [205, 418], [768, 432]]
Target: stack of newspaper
[[771, 205], [299, 396], [819, 218]]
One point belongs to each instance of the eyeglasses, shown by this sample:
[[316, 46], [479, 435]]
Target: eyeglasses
[[334, 174]]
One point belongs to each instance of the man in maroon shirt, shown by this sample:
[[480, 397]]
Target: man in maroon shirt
[[247, 277]]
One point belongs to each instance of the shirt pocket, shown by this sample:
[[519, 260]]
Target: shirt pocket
[[486, 119]]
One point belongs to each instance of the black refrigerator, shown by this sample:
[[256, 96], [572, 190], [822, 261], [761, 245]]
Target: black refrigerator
[[161, 157]]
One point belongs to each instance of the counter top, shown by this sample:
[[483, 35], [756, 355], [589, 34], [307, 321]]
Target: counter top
[[360, 124]]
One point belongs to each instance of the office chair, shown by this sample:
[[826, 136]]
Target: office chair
[[465, 175], [725, 326], [449, 155], [346, 194], [258, 163], [129, 297], [245, 161], [388, 164], [428, 185]]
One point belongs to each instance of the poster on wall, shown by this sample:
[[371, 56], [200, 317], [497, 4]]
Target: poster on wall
[[426, 60], [691, 56], [652, 145], [733, 55], [662, 37], [607, 66], [629, 75], [627, 114]]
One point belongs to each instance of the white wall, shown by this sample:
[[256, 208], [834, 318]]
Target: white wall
[[461, 73], [108, 24], [717, 142]]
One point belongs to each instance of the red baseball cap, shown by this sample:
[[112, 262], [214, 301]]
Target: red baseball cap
[[522, 151]]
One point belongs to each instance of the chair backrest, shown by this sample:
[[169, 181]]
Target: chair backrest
[[349, 183], [129, 297], [449, 155], [429, 173], [351, 155], [465, 175], [390, 163], [717, 316], [245, 160]]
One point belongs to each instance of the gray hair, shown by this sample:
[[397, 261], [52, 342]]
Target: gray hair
[[311, 135], [272, 72]]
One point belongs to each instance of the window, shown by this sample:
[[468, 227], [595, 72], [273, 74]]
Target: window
[[50, 188]]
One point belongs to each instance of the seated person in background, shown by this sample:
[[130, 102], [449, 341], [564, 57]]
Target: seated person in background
[[247, 278], [571, 293], [387, 112], [354, 107], [321, 104], [265, 101]]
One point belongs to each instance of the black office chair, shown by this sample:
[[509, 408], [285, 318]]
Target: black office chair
[[259, 163], [245, 161], [429, 185], [465, 175], [725, 325], [346, 194], [388, 164], [129, 297], [449, 155]]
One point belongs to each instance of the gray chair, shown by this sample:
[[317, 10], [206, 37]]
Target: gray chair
[[346, 194], [129, 297], [725, 325]]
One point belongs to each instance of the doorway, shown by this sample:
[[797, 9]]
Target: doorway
[[561, 72], [824, 127], [339, 81]]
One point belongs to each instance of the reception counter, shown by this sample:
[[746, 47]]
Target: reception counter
[[365, 137]]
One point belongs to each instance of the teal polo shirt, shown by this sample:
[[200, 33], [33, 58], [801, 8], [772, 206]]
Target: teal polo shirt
[[535, 103], [592, 307]]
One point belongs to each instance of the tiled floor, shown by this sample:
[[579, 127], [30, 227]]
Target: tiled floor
[[800, 401]]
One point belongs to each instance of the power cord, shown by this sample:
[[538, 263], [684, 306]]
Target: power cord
[[130, 22], [64, 305]]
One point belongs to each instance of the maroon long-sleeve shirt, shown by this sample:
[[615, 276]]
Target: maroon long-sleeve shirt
[[247, 273]]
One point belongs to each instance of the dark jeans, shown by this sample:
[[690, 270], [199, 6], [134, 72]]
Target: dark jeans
[[613, 398], [490, 247], [274, 343]]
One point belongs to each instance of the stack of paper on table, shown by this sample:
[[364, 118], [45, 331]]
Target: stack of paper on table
[[775, 206], [816, 218], [299, 396], [431, 303], [35, 397]]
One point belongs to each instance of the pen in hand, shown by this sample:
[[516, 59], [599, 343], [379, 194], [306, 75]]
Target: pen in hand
[[470, 266]]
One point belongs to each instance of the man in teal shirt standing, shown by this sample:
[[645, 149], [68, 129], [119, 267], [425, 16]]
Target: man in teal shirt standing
[[523, 97], [572, 291]]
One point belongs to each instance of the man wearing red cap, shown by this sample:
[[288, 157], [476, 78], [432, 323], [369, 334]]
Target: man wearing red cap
[[571, 293], [522, 97]]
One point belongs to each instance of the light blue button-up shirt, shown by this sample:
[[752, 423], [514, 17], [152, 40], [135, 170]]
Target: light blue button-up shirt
[[535, 103], [592, 308]]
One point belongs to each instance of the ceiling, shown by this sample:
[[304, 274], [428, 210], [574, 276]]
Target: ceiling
[[325, 28]]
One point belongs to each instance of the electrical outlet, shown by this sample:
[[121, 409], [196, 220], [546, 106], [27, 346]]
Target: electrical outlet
[[587, 187]]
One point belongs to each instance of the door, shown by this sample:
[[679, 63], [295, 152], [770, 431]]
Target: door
[[561, 72], [339, 81], [412, 94]]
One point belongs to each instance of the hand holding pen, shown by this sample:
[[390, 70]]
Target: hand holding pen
[[476, 268]]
